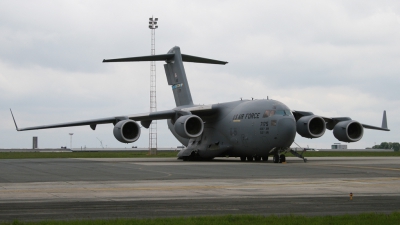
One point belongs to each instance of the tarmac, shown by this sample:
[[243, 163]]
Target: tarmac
[[84, 149], [58, 189]]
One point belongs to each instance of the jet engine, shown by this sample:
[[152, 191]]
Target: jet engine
[[127, 131], [189, 126], [348, 131], [311, 126]]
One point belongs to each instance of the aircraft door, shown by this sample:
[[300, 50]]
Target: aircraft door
[[244, 140]]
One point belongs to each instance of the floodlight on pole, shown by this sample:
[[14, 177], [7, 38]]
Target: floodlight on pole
[[153, 23], [153, 100]]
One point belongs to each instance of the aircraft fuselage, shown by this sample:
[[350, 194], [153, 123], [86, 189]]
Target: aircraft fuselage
[[242, 128]]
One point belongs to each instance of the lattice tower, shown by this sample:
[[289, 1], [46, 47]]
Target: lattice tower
[[153, 89]]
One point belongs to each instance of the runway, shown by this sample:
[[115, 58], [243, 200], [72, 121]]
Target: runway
[[37, 189]]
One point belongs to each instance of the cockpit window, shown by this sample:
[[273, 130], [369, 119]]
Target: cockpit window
[[269, 113], [280, 112]]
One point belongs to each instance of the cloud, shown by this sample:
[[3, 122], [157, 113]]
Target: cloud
[[335, 58]]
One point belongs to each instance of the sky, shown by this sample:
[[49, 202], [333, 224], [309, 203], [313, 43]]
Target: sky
[[333, 58]]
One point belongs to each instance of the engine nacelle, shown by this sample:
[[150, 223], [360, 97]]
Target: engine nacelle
[[311, 126], [189, 126], [127, 131], [348, 131]]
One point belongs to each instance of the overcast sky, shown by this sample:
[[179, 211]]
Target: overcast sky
[[334, 58]]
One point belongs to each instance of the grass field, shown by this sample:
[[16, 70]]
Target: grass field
[[132, 154], [362, 219], [142, 154], [344, 153]]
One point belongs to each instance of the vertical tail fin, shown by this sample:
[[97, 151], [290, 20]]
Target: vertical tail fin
[[174, 71], [176, 77]]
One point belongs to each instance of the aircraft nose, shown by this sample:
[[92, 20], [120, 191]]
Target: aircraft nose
[[286, 131]]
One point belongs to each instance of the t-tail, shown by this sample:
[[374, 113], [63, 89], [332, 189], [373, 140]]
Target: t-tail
[[174, 70]]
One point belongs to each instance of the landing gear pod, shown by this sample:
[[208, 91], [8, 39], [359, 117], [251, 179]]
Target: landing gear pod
[[127, 131], [189, 126], [311, 126], [348, 131]]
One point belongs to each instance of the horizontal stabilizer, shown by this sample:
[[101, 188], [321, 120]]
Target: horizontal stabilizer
[[142, 58], [195, 59], [165, 57]]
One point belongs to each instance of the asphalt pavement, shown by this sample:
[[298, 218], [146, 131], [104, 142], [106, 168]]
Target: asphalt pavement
[[40, 189]]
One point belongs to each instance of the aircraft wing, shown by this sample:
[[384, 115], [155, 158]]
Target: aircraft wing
[[167, 114], [201, 110], [332, 121]]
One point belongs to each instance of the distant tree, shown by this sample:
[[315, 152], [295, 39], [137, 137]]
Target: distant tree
[[385, 145], [388, 145], [396, 146]]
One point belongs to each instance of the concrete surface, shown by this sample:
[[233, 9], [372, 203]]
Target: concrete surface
[[37, 189]]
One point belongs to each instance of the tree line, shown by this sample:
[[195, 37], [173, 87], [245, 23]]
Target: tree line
[[388, 145]]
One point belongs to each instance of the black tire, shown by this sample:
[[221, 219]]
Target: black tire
[[257, 158], [282, 158], [250, 158], [275, 159], [243, 158]]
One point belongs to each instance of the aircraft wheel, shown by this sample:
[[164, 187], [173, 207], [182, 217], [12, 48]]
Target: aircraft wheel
[[264, 158], [275, 159], [243, 158], [257, 158], [282, 158], [250, 158]]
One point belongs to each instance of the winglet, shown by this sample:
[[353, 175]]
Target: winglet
[[16, 127], [384, 120]]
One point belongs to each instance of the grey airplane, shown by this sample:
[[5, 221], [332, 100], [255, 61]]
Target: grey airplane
[[249, 129]]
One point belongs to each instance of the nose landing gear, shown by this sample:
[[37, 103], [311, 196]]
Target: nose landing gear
[[279, 158]]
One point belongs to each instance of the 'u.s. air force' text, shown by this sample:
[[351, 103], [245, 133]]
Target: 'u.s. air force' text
[[246, 116]]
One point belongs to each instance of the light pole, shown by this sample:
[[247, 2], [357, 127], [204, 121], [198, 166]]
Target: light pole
[[70, 140], [153, 100]]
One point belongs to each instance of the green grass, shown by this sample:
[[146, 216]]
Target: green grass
[[345, 153], [143, 154], [41, 155], [362, 219]]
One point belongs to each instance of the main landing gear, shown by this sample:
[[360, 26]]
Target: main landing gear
[[276, 158]]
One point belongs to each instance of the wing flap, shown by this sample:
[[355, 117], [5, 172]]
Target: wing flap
[[93, 123]]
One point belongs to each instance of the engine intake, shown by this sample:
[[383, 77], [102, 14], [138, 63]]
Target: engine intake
[[348, 131], [127, 131], [311, 126], [189, 126]]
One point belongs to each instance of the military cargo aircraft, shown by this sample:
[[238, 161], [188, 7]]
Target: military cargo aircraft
[[249, 129]]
